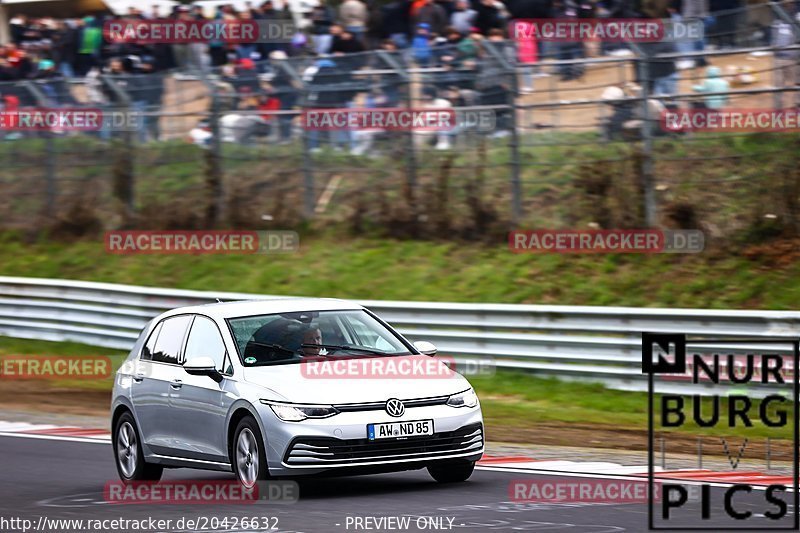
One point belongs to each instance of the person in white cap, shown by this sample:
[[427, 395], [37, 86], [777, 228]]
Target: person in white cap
[[284, 90]]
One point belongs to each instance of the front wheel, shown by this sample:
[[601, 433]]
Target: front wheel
[[249, 460], [452, 472], [131, 465]]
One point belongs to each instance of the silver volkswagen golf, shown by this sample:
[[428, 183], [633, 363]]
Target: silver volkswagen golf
[[285, 387]]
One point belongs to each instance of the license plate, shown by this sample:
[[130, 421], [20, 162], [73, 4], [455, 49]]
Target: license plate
[[394, 430]]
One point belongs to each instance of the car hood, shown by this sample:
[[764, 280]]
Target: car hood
[[324, 382]]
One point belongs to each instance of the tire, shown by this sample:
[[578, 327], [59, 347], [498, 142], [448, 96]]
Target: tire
[[452, 472], [248, 459], [128, 454]]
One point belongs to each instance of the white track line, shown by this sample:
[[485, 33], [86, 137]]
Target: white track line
[[56, 437], [608, 476], [573, 466], [24, 429], [12, 427]]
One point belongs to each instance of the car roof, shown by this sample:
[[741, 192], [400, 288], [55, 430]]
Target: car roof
[[224, 310]]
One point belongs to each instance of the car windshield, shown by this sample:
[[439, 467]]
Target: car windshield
[[305, 336]]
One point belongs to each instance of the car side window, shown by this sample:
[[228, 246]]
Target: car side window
[[170, 339], [149, 348], [206, 341]]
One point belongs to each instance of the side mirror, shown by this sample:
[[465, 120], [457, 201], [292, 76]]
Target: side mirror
[[425, 347], [203, 366]]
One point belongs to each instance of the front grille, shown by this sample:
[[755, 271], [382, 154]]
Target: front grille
[[330, 451], [379, 406]]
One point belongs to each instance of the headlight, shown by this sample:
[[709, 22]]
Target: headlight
[[468, 398], [296, 413]]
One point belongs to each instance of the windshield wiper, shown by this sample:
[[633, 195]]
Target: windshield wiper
[[276, 347], [344, 348]]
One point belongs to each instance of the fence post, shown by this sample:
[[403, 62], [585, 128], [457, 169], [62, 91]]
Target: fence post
[[215, 181], [214, 176], [646, 177], [516, 184], [309, 196], [51, 186], [122, 175], [795, 24], [411, 160], [51, 193]]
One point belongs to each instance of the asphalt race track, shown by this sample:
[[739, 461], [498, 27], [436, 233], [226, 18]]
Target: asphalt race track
[[64, 479]]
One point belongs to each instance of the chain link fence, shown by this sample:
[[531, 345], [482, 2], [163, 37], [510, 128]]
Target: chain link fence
[[576, 138]]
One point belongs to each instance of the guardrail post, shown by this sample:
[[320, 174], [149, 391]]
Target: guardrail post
[[699, 453]]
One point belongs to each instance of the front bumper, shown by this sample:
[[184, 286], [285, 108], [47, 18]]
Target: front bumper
[[340, 442]]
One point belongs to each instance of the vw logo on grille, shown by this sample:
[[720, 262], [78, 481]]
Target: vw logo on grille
[[395, 407]]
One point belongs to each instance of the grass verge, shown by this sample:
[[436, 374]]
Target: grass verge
[[371, 268]]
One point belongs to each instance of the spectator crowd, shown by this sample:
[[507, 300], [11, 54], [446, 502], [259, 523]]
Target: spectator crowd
[[445, 34], [73, 47]]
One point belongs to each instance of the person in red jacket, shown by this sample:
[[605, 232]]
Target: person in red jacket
[[267, 105]]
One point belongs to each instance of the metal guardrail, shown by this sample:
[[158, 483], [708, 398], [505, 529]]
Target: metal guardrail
[[578, 342]]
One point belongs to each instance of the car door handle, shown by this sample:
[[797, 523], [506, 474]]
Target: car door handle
[[176, 384], [138, 378]]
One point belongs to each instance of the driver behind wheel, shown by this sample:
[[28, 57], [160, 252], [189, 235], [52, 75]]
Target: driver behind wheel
[[311, 336]]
